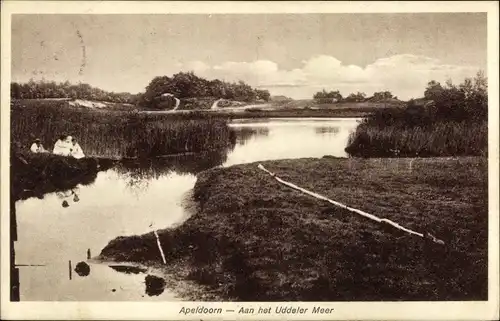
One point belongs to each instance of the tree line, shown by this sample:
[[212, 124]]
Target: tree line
[[335, 96], [465, 101], [51, 89], [181, 85]]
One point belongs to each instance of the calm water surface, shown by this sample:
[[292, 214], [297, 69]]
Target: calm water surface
[[134, 199]]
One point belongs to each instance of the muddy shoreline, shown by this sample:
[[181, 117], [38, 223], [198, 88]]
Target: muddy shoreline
[[175, 274]]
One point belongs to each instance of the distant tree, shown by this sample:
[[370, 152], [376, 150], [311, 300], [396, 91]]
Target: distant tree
[[217, 88], [263, 94], [320, 94], [358, 97], [244, 92], [382, 96], [325, 96], [433, 90]]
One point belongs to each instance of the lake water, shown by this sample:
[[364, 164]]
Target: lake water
[[134, 199]]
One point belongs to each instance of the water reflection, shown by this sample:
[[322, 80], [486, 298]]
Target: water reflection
[[127, 269], [68, 196], [82, 269], [244, 134], [291, 138], [327, 130], [65, 188], [139, 173], [154, 285]]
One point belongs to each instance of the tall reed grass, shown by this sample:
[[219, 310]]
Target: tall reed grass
[[388, 134], [119, 134]]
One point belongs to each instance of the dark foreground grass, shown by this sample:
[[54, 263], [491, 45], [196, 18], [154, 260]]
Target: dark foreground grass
[[255, 239], [117, 133]]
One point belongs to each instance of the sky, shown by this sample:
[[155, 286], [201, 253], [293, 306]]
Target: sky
[[289, 54]]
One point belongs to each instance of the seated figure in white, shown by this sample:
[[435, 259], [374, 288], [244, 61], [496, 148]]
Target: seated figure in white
[[62, 146], [37, 147], [76, 150]]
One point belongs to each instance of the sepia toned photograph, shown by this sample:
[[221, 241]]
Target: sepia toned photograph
[[248, 157]]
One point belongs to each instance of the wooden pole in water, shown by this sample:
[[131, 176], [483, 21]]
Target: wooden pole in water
[[88, 254], [159, 247], [69, 269]]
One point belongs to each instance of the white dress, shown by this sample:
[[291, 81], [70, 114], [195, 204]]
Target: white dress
[[77, 152], [61, 148]]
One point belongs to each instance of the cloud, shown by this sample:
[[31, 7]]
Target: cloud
[[405, 75]]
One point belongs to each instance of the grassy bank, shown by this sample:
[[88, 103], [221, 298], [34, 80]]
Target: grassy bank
[[305, 112], [256, 112], [254, 239], [276, 109], [117, 133], [311, 103], [206, 103]]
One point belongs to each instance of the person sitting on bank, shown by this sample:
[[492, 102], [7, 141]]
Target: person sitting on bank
[[37, 147], [61, 147], [76, 150]]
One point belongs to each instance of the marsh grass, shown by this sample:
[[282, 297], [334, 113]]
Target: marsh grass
[[117, 134], [395, 133]]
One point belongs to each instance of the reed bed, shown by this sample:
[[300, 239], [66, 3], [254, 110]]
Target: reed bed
[[116, 134], [402, 137]]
